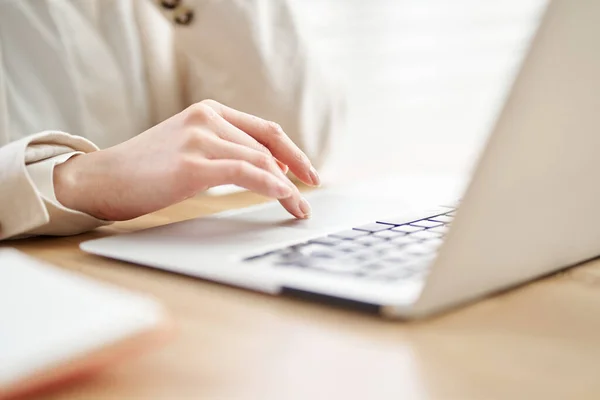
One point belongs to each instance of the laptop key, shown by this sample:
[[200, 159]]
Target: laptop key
[[316, 251], [433, 243], [424, 235], [397, 255], [336, 266], [446, 219], [403, 241], [442, 230], [374, 227], [426, 223], [407, 228], [330, 254], [349, 234], [426, 214], [349, 246], [373, 266], [395, 259], [418, 249], [312, 248], [326, 240], [362, 257], [388, 234], [411, 270], [384, 246], [391, 271], [294, 264], [286, 253], [368, 240]]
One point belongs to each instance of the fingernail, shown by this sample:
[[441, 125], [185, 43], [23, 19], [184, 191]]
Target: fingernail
[[283, 191], [284, 168], [305, 208], [314, 177]]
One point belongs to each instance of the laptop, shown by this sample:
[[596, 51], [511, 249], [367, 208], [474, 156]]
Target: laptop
[[56, 326], [530, 208]]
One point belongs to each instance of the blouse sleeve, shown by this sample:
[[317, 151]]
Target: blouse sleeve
[[27, 203]]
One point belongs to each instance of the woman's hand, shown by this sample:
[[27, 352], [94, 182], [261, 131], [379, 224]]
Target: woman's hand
[[206, 145]]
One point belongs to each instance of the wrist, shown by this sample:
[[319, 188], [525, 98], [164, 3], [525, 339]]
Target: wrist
[[69, 185]]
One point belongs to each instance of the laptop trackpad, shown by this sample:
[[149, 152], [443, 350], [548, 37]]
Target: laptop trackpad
[[329, 211], [261, 227]]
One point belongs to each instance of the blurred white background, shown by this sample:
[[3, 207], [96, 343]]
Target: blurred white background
[[424, 78]]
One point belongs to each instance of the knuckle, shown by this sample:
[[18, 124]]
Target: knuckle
[[264, 161], [239, 169], [275, 129], [193, 138], [211, 103], [199, 113]]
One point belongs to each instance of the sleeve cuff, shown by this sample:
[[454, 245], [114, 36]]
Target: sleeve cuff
[[23, 209], [62, 220]]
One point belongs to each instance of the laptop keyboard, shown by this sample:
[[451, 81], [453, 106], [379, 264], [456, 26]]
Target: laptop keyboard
[[387, 250]]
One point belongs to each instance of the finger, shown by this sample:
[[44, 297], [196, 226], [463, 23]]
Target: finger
[[227, 131], [243, 174], [294, 204], [273, 138], [284, 168]]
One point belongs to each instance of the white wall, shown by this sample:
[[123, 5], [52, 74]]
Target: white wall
[[424, 78]]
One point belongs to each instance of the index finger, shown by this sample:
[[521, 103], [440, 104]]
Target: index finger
[[272, 136]]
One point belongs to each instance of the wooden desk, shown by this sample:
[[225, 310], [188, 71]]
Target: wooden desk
[[539, 341]]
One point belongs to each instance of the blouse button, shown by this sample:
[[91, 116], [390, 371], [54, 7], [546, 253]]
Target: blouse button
[[170, 4], [184, 16]]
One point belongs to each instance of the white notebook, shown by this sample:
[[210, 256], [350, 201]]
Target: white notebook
[[52, 321]]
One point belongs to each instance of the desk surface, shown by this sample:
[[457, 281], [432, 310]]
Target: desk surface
[[538, 341]]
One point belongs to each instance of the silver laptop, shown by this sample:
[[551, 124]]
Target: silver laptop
[[531, 207]]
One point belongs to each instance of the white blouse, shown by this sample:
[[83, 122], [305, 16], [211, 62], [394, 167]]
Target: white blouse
[[106, 70]]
